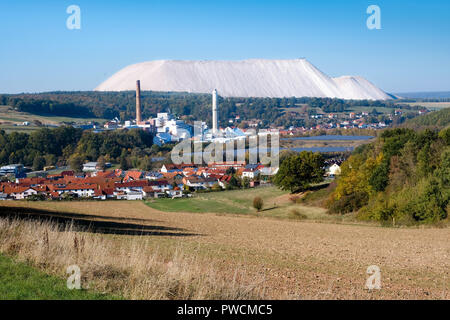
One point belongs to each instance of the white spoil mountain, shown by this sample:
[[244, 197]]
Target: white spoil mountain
[[247, 78]]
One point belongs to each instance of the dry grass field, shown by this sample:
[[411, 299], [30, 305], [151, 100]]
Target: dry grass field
[[166, 255], [431, 105]]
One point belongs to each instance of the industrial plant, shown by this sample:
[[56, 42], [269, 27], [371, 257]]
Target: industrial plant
[[168, 128]]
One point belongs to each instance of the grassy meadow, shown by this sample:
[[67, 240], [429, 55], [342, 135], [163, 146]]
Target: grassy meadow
[[20, 281], [277, 204]]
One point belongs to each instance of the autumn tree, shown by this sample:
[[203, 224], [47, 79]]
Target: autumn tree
[[101, 163]]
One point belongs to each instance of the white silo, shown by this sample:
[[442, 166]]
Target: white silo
[[215, 119]]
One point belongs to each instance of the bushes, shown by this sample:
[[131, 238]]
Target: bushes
[[427, 202], [36, 197], [404, 179], [348, 203], [380, 176], [295, 198], [258, 203], [296, 214]]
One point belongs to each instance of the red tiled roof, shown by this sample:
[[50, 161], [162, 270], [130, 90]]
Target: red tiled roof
[[106, 191], [106, 174], [54, 194], [31, 181], [169, 175], [148, 189], [158, 182], [77, 186], [225, 178], [179, 166], [11, 190], [131, 184], [135, 175]]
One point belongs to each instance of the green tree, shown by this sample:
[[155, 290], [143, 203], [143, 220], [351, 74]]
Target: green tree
[[123, 160], [445, 135], [50, 159], [297, 172], [230, 171], [246, 182], [234, 182], [380, 177], [76, 162], [38, 163]]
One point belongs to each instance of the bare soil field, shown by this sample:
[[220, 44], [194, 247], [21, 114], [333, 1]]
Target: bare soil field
[[289, 259]]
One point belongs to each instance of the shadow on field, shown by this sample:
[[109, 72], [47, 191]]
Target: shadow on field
[[269, 208], [88, 223]]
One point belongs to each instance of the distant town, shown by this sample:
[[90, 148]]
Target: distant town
[[171, 181]]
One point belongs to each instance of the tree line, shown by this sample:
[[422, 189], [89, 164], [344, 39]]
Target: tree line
[[437, 119], [188, 106]]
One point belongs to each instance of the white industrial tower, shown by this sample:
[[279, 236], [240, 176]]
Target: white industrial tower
[[214, 111]]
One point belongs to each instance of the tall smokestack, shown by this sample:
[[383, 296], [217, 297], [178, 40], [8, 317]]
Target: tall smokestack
[[214, 111], [138, 101]]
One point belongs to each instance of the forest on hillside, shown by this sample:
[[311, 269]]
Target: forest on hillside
[[437, 119], [72, 146], [402, 179]]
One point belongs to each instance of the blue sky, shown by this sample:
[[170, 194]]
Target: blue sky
[[38, 53]]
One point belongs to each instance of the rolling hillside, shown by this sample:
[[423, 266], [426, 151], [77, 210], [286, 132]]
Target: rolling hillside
[[438, 119]]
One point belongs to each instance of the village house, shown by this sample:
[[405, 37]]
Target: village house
[[175, 167], [223, 181], [20, 193], [250, 173], [198, 183], [175, 193], [130, 195], [104, 194], [149, 192], [133, 175], [129, 186], [90, 167], [82, 190], [160, 185], [153, 175], [334, 170]]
